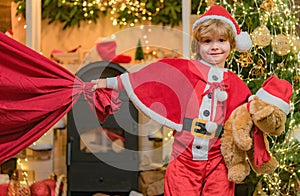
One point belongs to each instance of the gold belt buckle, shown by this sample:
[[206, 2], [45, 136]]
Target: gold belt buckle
[[195, 127]]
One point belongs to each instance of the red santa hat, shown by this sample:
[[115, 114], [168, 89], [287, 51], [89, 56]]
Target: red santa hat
[[277, 92], [107, 51], [243, 40]]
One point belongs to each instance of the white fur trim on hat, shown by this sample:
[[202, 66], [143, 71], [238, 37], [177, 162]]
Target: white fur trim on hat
[[209, 17], [243, 42], [269, 98]]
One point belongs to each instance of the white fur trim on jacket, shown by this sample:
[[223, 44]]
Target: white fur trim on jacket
[[112, 83]]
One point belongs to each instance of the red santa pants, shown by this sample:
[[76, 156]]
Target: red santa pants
[[197, 178]]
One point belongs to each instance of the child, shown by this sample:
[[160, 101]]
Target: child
[[194, 97]]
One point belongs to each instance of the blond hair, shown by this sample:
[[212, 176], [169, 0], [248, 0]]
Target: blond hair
[[212, 27]]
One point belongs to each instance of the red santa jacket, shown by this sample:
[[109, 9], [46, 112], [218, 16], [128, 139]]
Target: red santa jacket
[[172, 90]]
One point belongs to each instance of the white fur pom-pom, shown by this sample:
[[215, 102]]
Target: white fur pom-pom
[[211, 126], [243, 42], [222, 96]]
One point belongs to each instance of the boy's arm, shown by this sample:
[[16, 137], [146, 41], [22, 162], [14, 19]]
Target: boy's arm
[[99, 83], [111, 83]]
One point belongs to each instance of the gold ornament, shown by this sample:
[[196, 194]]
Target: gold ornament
[[150, 55], [281, 44], [258, 69], [297, 80], [295, 44], [18, 184], [268, 5], [245, 59], [261, 36], [260, 62]]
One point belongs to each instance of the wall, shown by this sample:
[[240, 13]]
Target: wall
[[54, 37], [5, 20]]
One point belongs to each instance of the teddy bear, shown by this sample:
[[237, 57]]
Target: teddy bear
[[244, 142]]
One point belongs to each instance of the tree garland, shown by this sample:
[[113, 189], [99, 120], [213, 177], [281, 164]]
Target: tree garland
[[122, 13]]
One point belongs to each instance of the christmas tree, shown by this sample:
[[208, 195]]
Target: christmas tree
[[272, 25], [139, 54]]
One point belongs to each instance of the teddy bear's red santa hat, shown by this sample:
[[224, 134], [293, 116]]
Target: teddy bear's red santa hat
[[277, 92], [242, 39]]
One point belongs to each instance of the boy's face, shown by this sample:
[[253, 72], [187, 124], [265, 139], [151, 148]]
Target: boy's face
[[214, 50]]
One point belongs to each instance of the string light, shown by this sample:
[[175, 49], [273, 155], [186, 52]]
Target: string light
[[136, 9]]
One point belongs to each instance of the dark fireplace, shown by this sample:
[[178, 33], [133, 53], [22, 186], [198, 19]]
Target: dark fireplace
[[102, 158]]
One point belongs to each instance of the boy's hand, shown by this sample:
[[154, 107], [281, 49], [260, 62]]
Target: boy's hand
[[99, 83]]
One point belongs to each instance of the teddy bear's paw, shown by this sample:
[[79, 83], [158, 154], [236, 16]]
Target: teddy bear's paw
[[262, 113], [266, 120], [238, 172], [267, 125], [268, 167]]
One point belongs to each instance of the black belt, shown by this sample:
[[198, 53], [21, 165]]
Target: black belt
[[197, 127]]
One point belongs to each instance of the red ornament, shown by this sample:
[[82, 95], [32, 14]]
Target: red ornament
[[40, 189]]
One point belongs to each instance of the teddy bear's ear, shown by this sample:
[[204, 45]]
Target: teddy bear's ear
[[267, 117], [270, 120], [261, 111], [280, 118]]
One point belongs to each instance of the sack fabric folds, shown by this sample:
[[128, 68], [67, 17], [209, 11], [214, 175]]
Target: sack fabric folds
[[35, 93]]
